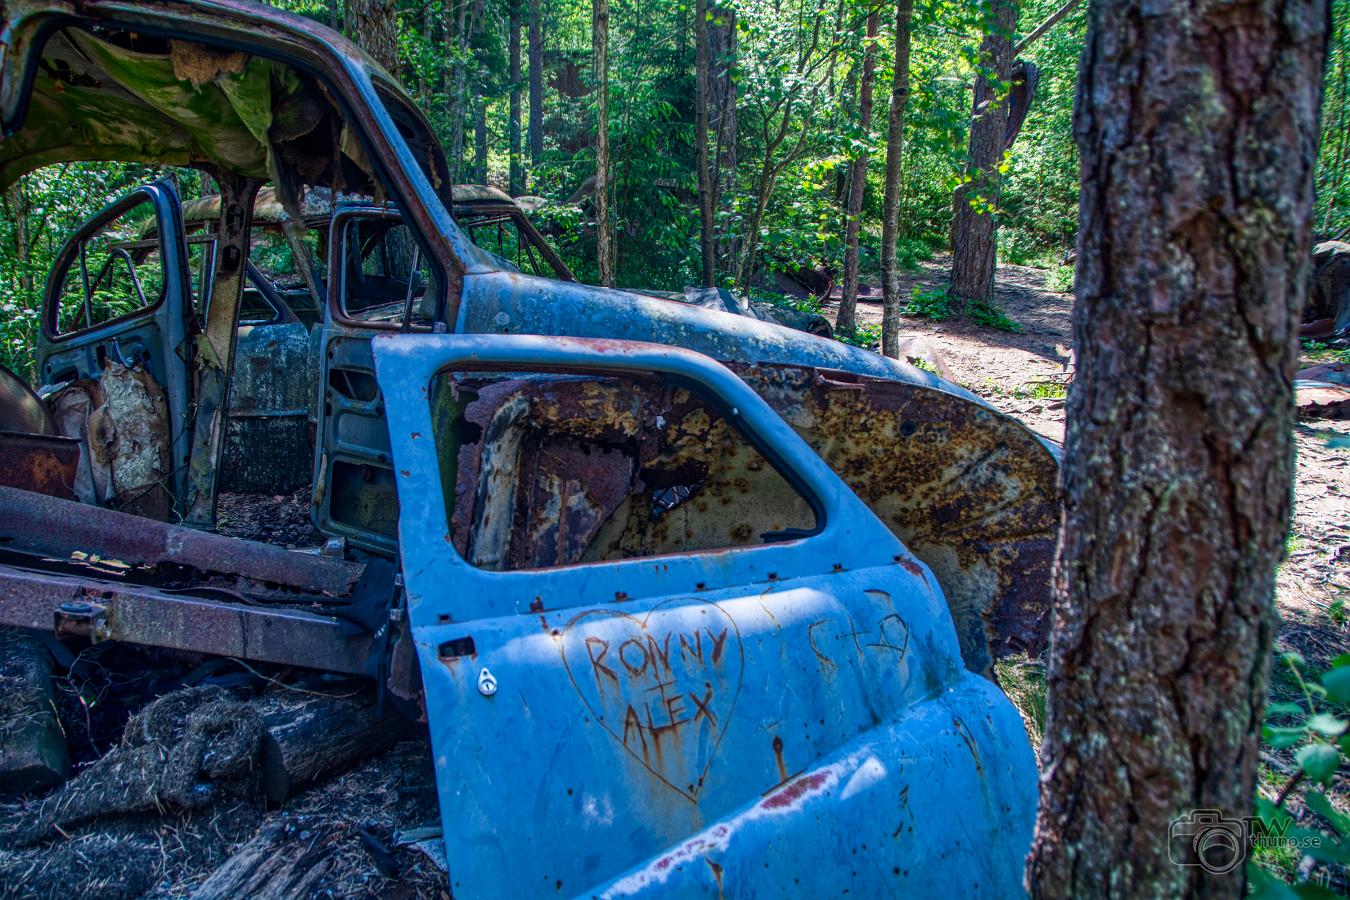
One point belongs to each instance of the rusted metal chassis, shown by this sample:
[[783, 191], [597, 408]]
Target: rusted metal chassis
[[53, 528], [74, 606], [137, 608]]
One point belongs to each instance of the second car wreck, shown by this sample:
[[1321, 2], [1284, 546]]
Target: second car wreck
[[713, 599]]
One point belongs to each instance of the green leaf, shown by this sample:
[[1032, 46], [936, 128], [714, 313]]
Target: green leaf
[[1320, 846], [1283, 709], [1318, 803], [1293, 658], [1327, 724], [1279, 738], [1318, 761], [1337, 683]]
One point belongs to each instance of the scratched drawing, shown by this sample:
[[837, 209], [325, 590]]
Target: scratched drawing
[[663, 684]]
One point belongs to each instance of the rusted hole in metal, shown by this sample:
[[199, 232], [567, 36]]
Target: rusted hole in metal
[[457, 648]]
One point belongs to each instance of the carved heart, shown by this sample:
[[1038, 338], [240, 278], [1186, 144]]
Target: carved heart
[[664, 686]]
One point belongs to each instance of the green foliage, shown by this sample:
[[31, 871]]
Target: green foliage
[[1317, 353], [1023, 680], [1060, 279], [934, 303], [1313, 724], [868, 336], [990, 316]]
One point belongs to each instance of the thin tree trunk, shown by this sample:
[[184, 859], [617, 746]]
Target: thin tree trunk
[[847, 320], [707, 241], [458, 23], [604, 246], [23, 256], [536, 53], [973, 225], [722, 106], [1039, 31], [516, 176], [480, 141], [890, 210], [374, 27], [1197, 121], [423, 84]]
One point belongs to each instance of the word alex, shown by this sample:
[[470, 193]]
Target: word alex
[[660, 678]]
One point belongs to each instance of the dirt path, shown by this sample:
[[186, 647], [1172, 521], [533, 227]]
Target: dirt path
[[1020, 374]]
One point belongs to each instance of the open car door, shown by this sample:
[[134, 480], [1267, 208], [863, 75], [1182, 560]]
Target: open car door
[[115, 328], [666, 650]]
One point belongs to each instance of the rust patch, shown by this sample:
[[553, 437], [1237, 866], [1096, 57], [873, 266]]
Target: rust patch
[[793, 794]]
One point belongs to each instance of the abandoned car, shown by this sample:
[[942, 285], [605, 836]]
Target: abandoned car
[[688, 600]]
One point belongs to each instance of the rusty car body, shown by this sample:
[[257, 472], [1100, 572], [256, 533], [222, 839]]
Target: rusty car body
[[690, 602]]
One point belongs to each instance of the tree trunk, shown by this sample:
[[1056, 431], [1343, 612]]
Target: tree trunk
[[604, 240], [847, 321], [1197, 121], [19, 207], [374, 26], [516, 177], [890, 211], [707, 240], [457, 23], [973, 226], [536, 82], [722, 114], [1039, 31], [480, 141]]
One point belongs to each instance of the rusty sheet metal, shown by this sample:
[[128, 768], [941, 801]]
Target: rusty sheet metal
[[972, 492], [47, 526], [109, 611], [40, 463], [756, 720]]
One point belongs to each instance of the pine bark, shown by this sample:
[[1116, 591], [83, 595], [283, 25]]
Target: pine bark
[[973, 224], [1197, 122], [604, 239], [374, 27], [847, 320], [516, 174], [536, 54], [707, 240], [890, 209]]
